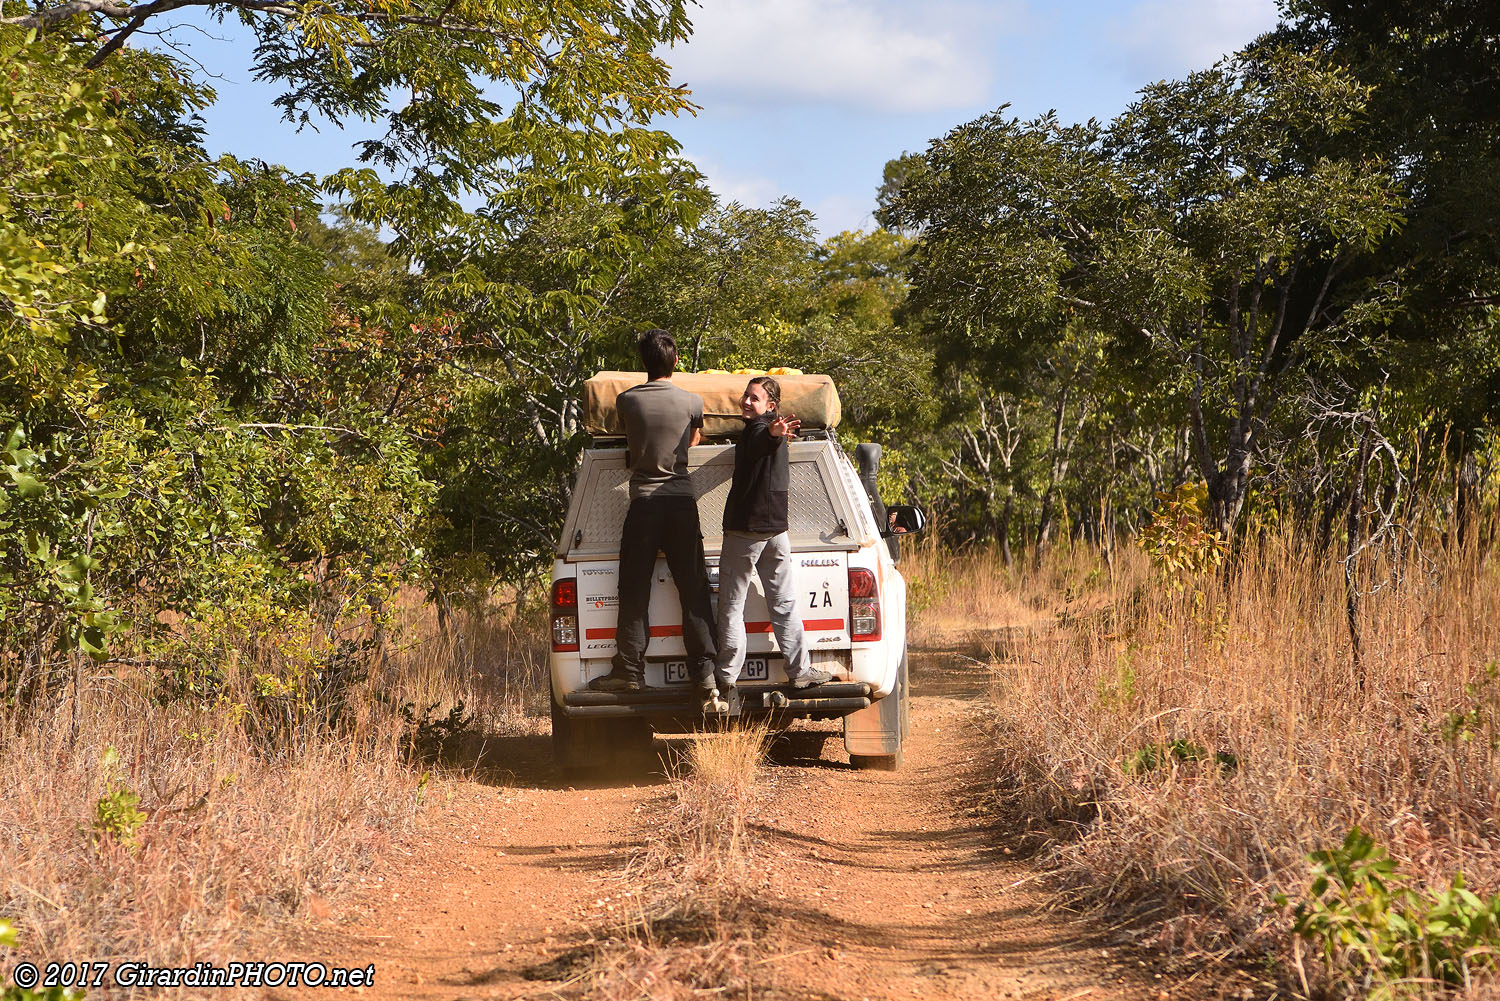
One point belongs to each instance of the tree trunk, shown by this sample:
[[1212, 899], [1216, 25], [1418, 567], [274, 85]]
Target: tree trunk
[[1005, 516], [1351, 553], [1465, 495], [1059, 470], [1226, 489], [1044, 527]]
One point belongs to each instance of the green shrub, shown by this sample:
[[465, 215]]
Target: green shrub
[[115, 815], [1367, 916], [428, 738], [1154, 756]]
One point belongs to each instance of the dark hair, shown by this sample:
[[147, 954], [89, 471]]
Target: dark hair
[[772, 387], [658, 352]]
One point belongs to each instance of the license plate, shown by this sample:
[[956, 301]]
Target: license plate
[[756, 669]]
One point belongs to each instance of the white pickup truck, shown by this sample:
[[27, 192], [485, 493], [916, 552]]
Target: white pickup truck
[[853, 610]]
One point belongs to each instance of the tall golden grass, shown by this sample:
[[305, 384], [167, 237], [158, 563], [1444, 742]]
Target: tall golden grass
[[690, 932], [701, 855], [253, 813], [492, 659], [1282, 746]]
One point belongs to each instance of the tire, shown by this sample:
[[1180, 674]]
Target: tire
[[790, 747], [565, 750], [903, 683]]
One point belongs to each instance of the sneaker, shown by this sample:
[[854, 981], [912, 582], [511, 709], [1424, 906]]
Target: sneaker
[[619, 681], [810, 677]]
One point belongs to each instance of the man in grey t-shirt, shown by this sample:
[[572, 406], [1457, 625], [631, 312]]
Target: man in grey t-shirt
[[661, 423]]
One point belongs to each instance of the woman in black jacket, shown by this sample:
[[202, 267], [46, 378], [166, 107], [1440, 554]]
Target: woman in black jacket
[[756, 540]]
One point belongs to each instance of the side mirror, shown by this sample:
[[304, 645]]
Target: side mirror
[[903, 519]]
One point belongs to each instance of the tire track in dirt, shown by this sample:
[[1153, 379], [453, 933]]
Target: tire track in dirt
[[877, 885]]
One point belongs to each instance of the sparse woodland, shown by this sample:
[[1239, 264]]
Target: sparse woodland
[[1212, 389]]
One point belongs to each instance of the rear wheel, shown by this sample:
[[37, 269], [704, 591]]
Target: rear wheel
[[903, 679]]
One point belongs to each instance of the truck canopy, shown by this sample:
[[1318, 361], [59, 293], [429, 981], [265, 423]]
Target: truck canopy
[[824, 510]]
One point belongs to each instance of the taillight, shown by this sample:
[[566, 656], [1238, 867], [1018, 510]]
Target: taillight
[[864, 605], [565, 614]]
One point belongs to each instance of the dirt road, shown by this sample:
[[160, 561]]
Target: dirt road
[[883, 885]]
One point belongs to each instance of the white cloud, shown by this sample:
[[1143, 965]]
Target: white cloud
[[750, 190], [1165, 39], [872, 55], [837, 213], [831, 214]]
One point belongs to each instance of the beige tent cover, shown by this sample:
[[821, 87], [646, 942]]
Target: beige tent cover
[[812, 398]]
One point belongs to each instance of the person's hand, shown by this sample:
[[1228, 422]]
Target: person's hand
[[785, 425]]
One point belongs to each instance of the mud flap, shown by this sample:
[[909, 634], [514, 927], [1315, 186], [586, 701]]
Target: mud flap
[[579, 744], [878, 730]]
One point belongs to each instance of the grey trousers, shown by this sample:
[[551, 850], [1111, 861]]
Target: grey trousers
[[771, 557]]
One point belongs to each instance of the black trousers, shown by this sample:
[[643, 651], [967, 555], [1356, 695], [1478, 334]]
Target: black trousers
[[668, 524]]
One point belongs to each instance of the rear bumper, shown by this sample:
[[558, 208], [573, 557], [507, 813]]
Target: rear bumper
[[818, 702]]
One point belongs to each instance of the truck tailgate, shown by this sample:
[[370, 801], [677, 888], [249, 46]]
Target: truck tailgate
[[822, 587]]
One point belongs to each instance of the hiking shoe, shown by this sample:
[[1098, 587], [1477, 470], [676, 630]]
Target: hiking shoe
[[619, 681], [810, 677]]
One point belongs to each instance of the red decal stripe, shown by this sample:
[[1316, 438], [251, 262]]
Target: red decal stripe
[[812, 625], [609, 634]]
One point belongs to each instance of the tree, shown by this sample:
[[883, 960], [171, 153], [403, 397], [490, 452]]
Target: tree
[[1200, 233], [1433, 100], [216, 404], [726, 285], [155, 306]]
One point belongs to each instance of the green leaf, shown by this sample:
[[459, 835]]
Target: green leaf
[[27, 485], [77, 568]]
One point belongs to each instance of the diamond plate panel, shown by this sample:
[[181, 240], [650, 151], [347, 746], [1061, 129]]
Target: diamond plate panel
[[601, 519], [603, 496], [811, 513], [861, 499], [711, 483]]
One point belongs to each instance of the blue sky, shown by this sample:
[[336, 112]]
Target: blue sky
[[810, 98]]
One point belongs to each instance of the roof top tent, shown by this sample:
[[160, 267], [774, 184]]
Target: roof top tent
[[812, 398]]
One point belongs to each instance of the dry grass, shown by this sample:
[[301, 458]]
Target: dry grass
[[702, 854], [253, 811], [691, 930], [1257, 666], [492, 659], [234, 841]]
